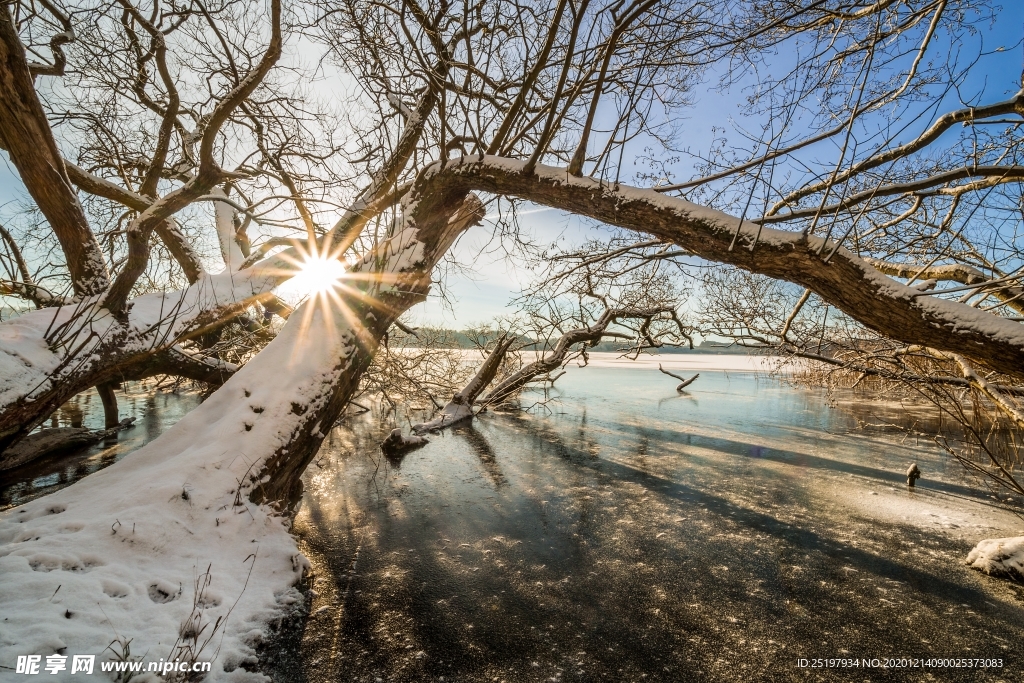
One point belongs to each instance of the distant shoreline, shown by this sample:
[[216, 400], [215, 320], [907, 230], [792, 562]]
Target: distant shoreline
[[695, 361]]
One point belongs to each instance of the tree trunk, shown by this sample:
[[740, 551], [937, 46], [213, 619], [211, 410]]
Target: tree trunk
[[399, 277], [27, 137], [109, 399], [461, 406], [845, 281]]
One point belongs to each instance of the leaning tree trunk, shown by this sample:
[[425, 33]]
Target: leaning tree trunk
[[109, 400], [391, 280], [835, 274], [193, 486], [460, 408], [48, 356]]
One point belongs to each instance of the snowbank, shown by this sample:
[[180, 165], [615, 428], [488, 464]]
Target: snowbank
[[730, 362], [999, 557], [162, 555], [118, 556]]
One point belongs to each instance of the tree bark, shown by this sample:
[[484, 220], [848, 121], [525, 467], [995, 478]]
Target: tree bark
[[114, 360], [167, 230], [109, 399], [514, 383], [683, 381], [171, 361], [1012, 295], [25, 134], [435, 220], [461, 406]]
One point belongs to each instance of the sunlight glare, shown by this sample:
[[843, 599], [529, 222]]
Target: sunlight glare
[[319, 274]]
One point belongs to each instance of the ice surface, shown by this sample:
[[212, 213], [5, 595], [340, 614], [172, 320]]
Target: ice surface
[[626, 533]]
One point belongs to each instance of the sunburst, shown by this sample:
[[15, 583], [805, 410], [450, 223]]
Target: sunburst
[[318, 274]]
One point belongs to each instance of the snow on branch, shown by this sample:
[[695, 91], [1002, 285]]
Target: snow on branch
[[48, 355], [1005, 403], [1002, 288], [842, 279], [192, 487]]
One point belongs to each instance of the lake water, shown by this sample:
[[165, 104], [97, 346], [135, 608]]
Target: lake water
[[623, 533], [154, 412]]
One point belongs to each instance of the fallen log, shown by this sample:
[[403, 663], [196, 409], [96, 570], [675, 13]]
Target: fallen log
[[461, 406], [397, 444]]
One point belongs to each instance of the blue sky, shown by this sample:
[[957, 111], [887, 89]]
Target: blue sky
[[499, 280], [495, 279], [10, 184]]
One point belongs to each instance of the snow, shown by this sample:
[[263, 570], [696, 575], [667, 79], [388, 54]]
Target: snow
[[119, 555], [449, 415], [224, 218], [397, 443], [125, 546], [403, 252], [28, 364], [732, 362], [712, 218], [999, 557]]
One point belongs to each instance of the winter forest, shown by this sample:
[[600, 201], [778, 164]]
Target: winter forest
[[577, 340]]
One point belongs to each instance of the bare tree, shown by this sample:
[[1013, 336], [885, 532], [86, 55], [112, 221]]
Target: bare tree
[[863, 179], [145, 130]]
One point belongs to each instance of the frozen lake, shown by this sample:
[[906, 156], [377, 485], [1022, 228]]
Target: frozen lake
[[625, 533], [621, 532]]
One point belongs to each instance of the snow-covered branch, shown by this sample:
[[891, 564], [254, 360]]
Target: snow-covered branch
[[191, 487], [1010, 294], [48, 356], [846, 281], [1006, 404]]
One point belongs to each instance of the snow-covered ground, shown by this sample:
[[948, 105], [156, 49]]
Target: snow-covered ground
[[162, 555], [999, 557], [113, 562], [688, 361], [730, 362], [119, 563]]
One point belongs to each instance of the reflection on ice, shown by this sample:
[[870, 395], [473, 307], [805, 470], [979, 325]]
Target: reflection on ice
[[626, 534], [155, 412]]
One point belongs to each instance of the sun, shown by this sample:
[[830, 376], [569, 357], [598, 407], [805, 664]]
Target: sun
[[318, 274]]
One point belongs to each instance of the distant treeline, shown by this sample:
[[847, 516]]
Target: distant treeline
[[431, 337]]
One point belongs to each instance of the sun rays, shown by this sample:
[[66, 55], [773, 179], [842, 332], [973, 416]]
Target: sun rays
[[318, 274], [339, 296]]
